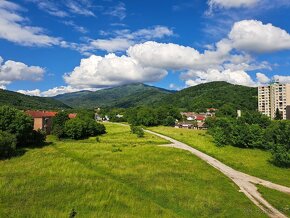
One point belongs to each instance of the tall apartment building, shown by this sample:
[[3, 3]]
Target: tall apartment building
[[274, 96]]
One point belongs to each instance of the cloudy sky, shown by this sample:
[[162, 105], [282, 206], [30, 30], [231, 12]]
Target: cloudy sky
[[49, 47]]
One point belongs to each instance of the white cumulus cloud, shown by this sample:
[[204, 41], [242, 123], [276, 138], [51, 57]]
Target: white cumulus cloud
[[254, 36], [12, 71], [111, 70]]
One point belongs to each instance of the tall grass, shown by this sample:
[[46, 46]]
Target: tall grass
[[142, 180], [252, 161]]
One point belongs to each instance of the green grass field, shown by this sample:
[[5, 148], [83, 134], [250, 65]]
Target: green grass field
[[120, 176], [252, 161], [279, 200]]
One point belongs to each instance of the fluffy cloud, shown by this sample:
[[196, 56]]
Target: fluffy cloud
[[254, 36], [35, 92], [162, 55], [53, 92], [262, 78], [11, 71], [232, 3], [111, 70], [13, 29], [235, 77], [282, 79]]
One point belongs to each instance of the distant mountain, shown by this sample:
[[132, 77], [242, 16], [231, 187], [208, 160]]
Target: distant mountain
[[214, 95], [21, 101], [121, 97], [208, 95]]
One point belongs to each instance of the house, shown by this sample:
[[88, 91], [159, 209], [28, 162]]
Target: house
[[43, 119], [184, 125], [200, 118]]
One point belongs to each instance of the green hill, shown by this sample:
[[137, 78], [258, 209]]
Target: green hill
[[214, 95], [121, 97], [208, 95], [21, 101]]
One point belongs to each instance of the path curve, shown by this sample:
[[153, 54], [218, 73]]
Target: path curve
[[246, 183]]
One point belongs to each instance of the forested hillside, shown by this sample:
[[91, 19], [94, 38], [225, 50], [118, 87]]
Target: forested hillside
[[21, 101], [121, 97], [214, 95]]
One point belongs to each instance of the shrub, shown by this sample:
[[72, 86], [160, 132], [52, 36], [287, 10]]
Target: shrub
[[75, 128], [36, 138], [7, 144], [81, 128], [137, 130], [281, 156]]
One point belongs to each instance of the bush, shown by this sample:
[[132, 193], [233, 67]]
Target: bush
[[75, 128], [137, 130], [81, 128], [36, 138], [281, 156], [17, 123], [7, 144]]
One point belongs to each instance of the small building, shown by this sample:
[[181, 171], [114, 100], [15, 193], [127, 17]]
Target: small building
[[184, 125], [42, 120]]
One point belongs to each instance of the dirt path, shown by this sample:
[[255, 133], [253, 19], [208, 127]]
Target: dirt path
[[246, 183]]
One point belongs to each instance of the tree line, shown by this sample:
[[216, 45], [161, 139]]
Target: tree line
[[254, 130]]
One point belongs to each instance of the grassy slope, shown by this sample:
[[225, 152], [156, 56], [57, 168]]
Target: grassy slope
[[279, 200], [29, 102], [141, 181], [252, 161]]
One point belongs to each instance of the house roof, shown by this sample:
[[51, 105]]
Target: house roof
[[200, 117], [71, 116], [39, 114]]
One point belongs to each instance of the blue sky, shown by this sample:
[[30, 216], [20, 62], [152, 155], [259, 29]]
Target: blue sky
[[49, 47]]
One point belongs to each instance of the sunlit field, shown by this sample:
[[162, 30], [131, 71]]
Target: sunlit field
[[119, 176], [252, 161]]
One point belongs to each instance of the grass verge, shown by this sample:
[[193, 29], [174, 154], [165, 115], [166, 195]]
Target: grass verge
[[279, 200], [252, 161]]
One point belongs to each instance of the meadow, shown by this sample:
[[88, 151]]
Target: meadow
[[118, 175], [251, 161]]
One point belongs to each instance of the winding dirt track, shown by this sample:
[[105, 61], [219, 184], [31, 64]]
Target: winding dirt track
[[246, 183]]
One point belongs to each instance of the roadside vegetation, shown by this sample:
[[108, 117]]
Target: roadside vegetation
[[91, 179], [249, 160], [279, 200], [254, 130]]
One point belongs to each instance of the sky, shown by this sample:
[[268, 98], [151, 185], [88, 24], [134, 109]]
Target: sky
[[51, 47]]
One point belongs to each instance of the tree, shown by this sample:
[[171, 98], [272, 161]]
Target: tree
[[7, 144], [17, 123], [75, 128], [278, 115], [169, 121], [58, 123]]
